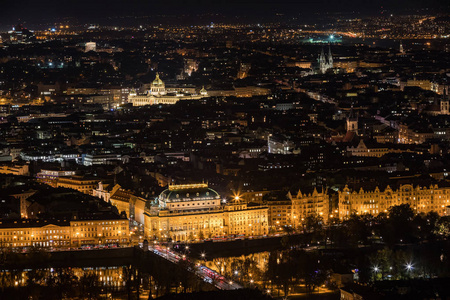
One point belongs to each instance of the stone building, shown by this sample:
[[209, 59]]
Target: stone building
[[195, 211], [421, 199]]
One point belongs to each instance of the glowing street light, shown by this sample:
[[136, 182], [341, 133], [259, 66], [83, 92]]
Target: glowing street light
[[409, 267]]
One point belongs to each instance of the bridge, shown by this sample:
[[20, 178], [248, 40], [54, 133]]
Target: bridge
[[203, 272]]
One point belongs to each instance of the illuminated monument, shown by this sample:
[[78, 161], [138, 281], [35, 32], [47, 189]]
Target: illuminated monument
[[195, 211], [325, 61], [159, 95]]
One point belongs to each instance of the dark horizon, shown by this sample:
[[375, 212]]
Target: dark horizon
[[100, 11]]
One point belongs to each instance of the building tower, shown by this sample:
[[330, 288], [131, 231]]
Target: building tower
[[325, 61], [445, 109], [330, 58], [352, 121], [90, 46], [402, 50], [244, 68], [203, 91], [157, 88], [322, 62]]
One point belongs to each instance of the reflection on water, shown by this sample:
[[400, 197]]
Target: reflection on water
[[96, 282], [108, 276], [246, 269]]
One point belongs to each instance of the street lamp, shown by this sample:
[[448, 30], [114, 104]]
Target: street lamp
[[409, 267]]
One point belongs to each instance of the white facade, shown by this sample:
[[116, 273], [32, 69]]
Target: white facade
[[158, 95], [90, 46]]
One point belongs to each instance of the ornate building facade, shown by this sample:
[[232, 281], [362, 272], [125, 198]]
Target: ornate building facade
[[159, 95], [79, 183], [421, 199], [294, 210], [124, 200], [315, 203], [325, 61], [195, 211], [63, 233]]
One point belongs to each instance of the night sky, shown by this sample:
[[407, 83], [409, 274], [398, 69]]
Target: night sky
[[12, 12]]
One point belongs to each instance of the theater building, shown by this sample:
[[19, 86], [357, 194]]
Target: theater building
[[195, 211]]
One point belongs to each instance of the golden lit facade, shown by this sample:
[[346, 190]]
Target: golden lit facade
[[407, 135], [51, 177], [80, 184], [15, 170], [63, 233], [99, 232], [310, 204], [124, 200], [280, 214], [297, 208], [195, 211], [421, 199], [159, 95], [363, 151]]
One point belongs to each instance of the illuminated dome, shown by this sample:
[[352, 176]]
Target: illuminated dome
[[157, 81], [157, 88], [189, 196]]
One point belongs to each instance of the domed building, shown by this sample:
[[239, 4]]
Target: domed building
[[189, 197], [188, 212], [159, 95], [157, 88]]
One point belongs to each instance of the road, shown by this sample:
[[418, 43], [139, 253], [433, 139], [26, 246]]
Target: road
[[201, 271]]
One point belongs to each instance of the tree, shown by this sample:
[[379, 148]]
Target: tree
[[313, 226], [358, 229], [66, 283], [288, 229], [201, 235], [442, 229], [187, 276], [382, 263], [398, 228], [90, 285]]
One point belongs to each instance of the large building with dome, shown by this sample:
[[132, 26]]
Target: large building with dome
[[195, 211], [159, 95]]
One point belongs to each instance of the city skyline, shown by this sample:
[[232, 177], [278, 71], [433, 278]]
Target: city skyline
[[227, 150], [183, 12]]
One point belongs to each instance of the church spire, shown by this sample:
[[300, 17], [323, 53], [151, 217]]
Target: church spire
[[330, 57], [352, 121]]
